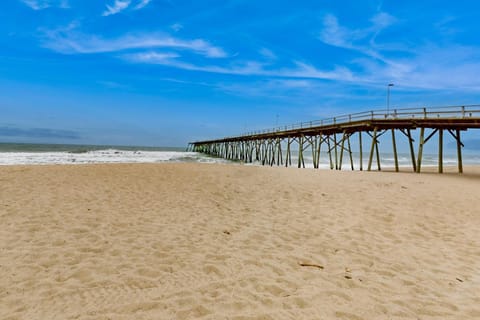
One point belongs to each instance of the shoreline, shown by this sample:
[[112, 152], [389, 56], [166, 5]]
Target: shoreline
[[448, 169]]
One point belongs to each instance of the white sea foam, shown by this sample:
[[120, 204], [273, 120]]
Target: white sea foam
[[147, 156], [103, 156]]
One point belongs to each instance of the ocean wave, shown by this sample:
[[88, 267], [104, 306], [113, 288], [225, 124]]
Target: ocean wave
[[102, 156]]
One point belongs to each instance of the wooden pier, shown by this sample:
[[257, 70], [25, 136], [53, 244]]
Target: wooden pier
[[334, 137]]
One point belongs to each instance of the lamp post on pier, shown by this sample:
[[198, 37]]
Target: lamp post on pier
[[388, 97]]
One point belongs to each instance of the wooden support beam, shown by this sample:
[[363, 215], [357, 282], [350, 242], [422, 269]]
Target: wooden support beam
[[318, 150], [459, 148], [394, 144], [280, 162], [374, 142], [440, 151], [272, 152], [314, 151], [350, 152], [335, 146], [459, 152], [412, 151], [420, 149], [303, 158], [430, 136], [341, 150], [252, 148], [361, 150], [288, 156], [378, 155], [300, 151], [262, 152], [329, 152]]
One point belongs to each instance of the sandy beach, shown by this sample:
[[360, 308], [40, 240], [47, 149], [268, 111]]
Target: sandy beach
[[204, 241]]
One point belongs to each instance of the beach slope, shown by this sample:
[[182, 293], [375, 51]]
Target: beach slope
[[204, 241]]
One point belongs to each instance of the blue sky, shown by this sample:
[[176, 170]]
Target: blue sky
[[165, 72]]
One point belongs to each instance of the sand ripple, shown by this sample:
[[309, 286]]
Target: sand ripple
[[192, 241]]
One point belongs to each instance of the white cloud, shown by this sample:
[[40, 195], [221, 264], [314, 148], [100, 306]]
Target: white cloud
[[363, 41], [142, 4], [248, 68], [360, 40], [267, 54], [428, 66], [69, 42], [118, 6], [113, 84], [36, 4], [44, 4], [382, 20], [176, 27]]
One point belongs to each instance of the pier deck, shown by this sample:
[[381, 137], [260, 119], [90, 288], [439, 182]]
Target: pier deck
[[266, 146]]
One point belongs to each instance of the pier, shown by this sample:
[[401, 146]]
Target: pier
[[334, 137]]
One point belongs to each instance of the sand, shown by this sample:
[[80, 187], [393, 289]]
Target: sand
[[202, 241]]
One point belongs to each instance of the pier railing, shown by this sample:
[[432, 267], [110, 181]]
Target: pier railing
[[450, 112]]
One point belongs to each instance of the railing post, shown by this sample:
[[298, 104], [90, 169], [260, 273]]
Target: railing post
[[372, 114], [424, 113], [463, 112]]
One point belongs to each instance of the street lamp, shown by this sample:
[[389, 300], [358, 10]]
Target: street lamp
[[388, 97]]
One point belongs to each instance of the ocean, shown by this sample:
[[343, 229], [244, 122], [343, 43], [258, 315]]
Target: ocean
[[43, 154]]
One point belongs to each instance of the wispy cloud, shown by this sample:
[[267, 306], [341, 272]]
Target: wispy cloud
[[427, 66], [361, 40], [248, 68], [44, 4], [113, 85], [267, 53], [121, 5], [118, 6], [68, 41], [176, 27], [142, 4]]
